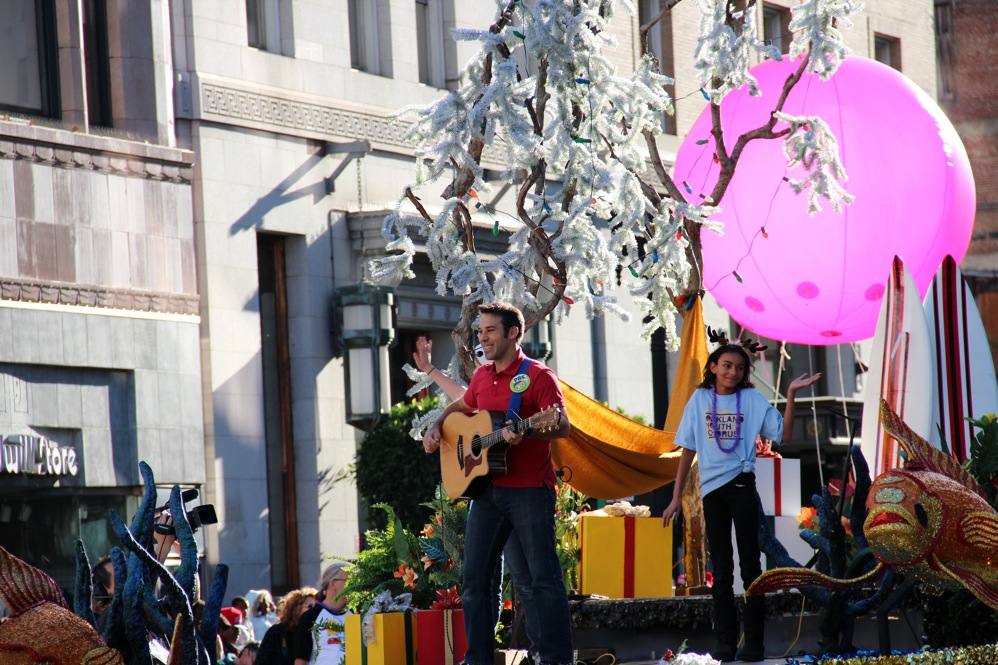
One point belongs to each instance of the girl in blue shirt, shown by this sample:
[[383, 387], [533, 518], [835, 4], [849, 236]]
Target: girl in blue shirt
[[719, 426]]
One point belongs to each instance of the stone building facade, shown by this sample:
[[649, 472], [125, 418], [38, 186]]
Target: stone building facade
[[99, 310]]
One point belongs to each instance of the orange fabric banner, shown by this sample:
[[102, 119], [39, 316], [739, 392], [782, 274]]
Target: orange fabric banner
[[610, 456]]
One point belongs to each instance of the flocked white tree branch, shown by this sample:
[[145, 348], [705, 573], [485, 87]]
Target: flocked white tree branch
[[581, 133]]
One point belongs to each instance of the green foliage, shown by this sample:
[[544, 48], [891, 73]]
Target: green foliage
[[957, 618], [396, 560], [392, 468], [373, 569], [443, 540], [983, 462], [638, 419]]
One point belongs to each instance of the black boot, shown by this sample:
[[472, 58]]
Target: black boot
[[725, 632], [754, 626]]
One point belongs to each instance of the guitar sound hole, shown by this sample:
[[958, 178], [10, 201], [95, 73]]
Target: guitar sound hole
[[476, 446]]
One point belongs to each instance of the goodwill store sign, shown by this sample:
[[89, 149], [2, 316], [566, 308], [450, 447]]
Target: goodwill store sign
[[26, 454]]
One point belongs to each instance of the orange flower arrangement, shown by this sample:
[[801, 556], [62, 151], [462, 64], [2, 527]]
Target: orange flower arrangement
[[806, 517], [407, 575]]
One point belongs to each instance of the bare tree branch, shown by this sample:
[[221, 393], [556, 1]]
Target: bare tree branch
[[656, 162], [419, 206], [646, 28]]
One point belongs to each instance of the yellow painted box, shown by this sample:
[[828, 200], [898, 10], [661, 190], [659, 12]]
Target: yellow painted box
[[394, 640], [625, 557]]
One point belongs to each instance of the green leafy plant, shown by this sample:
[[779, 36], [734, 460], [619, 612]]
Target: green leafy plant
[[983, 462], [391, 468], [398, 561]]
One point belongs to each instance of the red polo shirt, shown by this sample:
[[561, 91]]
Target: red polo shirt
[[529, 462]]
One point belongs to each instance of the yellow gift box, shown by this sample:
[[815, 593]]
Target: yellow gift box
[[394, 640], [625, 557]]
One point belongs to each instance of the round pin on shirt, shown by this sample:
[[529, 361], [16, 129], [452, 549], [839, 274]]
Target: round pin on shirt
[[520, 383]]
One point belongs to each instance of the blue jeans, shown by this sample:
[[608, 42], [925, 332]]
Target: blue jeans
[[529, 513]]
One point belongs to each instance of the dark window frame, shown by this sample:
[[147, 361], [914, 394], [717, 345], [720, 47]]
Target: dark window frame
[[47, 39], [893, 46], [783, 14], [97, 64], [944, 19]]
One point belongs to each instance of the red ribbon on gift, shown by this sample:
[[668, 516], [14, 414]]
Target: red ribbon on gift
[[778, 499], [628, 557], [447, 599]]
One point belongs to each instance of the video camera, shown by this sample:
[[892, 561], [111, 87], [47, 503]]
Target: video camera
[[196, 517]]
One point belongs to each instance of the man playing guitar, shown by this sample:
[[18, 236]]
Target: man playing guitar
[[520, 502]]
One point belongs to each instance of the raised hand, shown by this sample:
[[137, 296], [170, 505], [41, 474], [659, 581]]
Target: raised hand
[[803, 381], [423, 355]]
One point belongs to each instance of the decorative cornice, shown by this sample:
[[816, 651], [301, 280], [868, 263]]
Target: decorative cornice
[[226, 103], [72, 150], [424, 309], [54, 293], [235, 102]]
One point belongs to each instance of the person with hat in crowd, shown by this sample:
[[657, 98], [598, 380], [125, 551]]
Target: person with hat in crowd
[[228, 632]]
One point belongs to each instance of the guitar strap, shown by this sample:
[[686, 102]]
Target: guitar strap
[[513, 412]]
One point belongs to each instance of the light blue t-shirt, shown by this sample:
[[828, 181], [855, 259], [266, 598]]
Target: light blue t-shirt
[[758, 417]]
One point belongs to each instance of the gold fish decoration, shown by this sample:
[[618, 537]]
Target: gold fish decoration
[[41, 629], [929, 521]]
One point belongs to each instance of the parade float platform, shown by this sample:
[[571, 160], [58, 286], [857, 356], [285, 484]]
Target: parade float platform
[[640, 629]]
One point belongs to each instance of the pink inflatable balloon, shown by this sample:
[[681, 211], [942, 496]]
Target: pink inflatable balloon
[[819, 279]]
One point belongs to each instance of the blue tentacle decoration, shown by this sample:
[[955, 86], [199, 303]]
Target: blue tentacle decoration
[[84, 594], [774, 549], [142, 523], [212, 609], [187, 573], [135, 623], [177, 595], [861, 472], [114, 629]]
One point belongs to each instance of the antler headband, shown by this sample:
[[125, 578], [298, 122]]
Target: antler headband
[[720, 338]]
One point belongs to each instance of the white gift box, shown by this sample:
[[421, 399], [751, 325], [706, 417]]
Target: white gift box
[[787, 530], [778, 482]]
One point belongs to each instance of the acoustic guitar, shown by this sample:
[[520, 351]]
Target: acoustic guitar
[[473, 451]]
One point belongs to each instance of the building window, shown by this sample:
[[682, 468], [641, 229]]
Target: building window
[[887, 50], [264, 27], [29, 70], [776, 27], [945, 16], [97, 63], [431, 42], [370, 46], [423, 39], [660, 45]]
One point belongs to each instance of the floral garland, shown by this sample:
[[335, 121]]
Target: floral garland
[[975, 655]]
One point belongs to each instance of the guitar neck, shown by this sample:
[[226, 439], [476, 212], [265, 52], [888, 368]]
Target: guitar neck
[[496, 437]]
